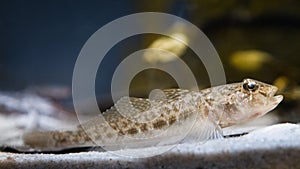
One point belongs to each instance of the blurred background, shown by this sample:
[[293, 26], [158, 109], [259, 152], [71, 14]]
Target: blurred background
[[40, 41]]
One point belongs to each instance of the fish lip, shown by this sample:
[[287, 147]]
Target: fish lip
[[277, 98], [273, 91]]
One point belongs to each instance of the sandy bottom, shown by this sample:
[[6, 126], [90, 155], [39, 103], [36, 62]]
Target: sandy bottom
[[276, 146]]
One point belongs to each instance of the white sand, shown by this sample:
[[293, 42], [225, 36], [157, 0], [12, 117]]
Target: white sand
[[276, 146]]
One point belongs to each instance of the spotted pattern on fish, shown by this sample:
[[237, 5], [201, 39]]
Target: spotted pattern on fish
[[143, 122]]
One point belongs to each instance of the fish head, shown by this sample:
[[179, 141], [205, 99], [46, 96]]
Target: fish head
[[250, 99]]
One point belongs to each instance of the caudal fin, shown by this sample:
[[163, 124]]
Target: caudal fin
[[52, 139], [38, 139]]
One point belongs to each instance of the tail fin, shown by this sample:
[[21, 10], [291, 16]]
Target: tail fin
[[53, 139]]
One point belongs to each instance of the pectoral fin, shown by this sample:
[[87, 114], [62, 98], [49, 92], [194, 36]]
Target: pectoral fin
[[203, 130]]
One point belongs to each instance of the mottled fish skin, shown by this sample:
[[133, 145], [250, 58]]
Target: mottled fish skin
[[180, 115]]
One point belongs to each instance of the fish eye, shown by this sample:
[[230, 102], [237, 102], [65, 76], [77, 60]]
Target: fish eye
[[250, 86]]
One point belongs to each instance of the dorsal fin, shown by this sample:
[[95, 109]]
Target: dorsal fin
[[133, 107]]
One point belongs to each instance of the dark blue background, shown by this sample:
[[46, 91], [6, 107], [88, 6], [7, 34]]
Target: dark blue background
[[40, 40]]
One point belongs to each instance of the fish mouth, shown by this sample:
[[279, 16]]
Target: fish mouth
[[275, 98], [273, 91]]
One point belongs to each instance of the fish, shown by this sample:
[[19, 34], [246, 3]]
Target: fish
[[173, 116]]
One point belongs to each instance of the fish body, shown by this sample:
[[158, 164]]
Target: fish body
[[173, 116]]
